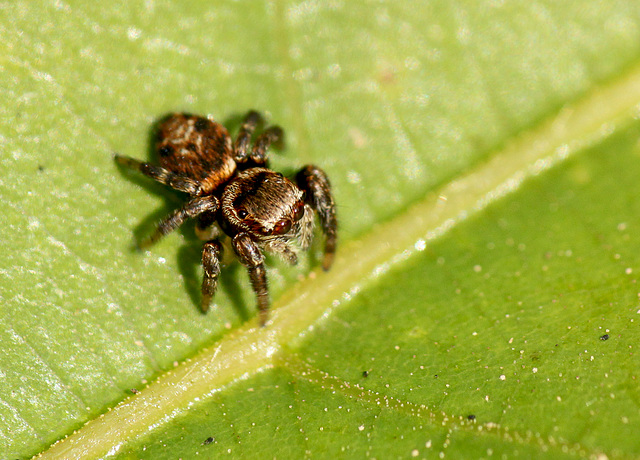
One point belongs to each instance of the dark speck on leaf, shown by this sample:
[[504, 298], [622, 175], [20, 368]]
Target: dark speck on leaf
[[208, 441], [365, 373], [604, 337], [471, 417], [40, 168]]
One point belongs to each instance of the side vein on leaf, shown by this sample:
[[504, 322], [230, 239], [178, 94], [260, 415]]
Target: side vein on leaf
[[98, 273], [252, 348], [64, 383], [451, 423], [25, 422]]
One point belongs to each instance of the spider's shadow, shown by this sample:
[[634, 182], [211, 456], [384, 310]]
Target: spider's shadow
[[189, 255]]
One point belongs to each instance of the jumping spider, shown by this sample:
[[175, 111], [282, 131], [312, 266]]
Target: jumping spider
[[232, 191]]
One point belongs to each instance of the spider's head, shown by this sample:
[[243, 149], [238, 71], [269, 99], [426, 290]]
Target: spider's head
[[264, 204]]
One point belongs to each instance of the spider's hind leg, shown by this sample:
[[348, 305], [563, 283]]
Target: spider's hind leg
[[160, 174], [271, 135], [242, 145], [258, 154]]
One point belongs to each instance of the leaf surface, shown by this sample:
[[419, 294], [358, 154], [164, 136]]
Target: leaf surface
[[483, 158]]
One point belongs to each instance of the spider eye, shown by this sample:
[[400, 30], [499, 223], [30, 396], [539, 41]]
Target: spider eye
[[242, 213], [281, 227], [299, 212]]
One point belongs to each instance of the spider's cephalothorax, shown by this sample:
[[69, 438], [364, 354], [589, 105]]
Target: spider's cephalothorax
[[233, 192]]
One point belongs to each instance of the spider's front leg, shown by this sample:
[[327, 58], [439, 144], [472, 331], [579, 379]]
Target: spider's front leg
[[192, 209], [316, 184], [251, 257], [211, 263]]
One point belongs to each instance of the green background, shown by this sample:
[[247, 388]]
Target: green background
[[499, 313]]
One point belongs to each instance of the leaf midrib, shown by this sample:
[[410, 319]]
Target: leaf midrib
[[359, 263]]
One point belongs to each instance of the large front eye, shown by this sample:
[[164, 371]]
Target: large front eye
[[242, 213], [299, 212], [281, 227]]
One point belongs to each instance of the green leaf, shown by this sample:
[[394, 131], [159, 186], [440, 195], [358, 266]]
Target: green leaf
[[484, 159]]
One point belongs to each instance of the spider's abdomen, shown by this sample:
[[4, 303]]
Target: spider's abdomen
[[197, 148]]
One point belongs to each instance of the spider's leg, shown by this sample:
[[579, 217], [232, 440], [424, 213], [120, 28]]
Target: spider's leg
[[271, 135], [315, 183], [242, 144], [193, 208], [211, 263], [160, 174], [251, 257]]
